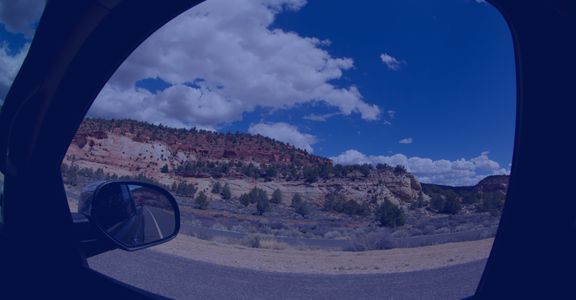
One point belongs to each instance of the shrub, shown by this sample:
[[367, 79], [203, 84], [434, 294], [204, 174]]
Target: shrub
[[390, 215], [164, 169], [300, 206], [276, 197], [216, 188], [271, 172], [310, 174], [437, 202], [334, 202], [338, 203], [352, 207], [264, 242], [256, 194], [372, 241], [296, 200], [303, 209], [184, 189], [244, 199], [226, 193], [492, 203], [451, 206], [262, 205], [252, 241], [400, 169], [201, 201]]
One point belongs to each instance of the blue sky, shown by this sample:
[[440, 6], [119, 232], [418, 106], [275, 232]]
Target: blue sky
[[430, 85]]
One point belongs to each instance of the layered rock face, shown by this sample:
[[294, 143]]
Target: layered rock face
[[130, 148]]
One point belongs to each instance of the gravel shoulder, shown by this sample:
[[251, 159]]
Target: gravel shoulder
[[328, 262]]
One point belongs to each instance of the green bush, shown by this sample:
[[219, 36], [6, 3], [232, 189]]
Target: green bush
[[334, 202], [201, 201], [296, 200], [262, 205], [437, 203], [216, 188], [338, 203], [226, 193], [492, 202], [257, 194], [390, 215], [400, 169], [449, 205], [352, 207], [184, 189], [452, 206], [244, 199], [311, 174], [300, 206], [276, 197], [303, 209]]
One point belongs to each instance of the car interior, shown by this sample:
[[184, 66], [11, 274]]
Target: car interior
[[79, 45]]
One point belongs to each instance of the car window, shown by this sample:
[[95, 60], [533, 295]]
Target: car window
[[294, 134], [304, 140]]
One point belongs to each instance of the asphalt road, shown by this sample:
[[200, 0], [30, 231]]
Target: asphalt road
[[181, 278]]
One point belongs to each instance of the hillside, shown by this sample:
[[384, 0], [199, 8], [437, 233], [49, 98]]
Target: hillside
[[250, 184], [171, 156], [488, 195]]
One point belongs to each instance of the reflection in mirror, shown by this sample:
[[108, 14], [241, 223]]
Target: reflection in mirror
[[133, 215], [156, 212]]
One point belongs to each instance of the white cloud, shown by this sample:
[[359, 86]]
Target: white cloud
[[461, 172], [285, 133], [17, 17], [406, 141], [9, 66], [321, 117], [391, 62], [242, 61], [20, 16]]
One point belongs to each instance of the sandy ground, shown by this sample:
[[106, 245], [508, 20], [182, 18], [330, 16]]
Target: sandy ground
[[323, 261], [328, 262]]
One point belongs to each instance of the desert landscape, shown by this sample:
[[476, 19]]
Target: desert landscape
[[243, 196]]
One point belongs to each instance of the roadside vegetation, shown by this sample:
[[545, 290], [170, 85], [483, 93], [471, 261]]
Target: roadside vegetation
[[449, 214]]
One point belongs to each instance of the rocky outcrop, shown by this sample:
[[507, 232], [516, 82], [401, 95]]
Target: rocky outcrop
[[493, 184], [129, 148]]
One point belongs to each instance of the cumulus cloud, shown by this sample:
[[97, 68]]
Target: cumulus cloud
[[242, 62], [391, 62], [21, 16], [406, 141], [286, 133], [9, 66], [461, 172]]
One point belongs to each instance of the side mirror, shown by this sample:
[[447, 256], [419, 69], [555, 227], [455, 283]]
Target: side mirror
[[133, 215]]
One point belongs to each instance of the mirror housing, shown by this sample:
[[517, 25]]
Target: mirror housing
[[132, 215]]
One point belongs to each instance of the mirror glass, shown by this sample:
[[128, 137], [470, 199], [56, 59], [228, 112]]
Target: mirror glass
[[134, 215]]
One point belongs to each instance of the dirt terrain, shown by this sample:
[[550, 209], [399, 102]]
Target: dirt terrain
[[328, 262]]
